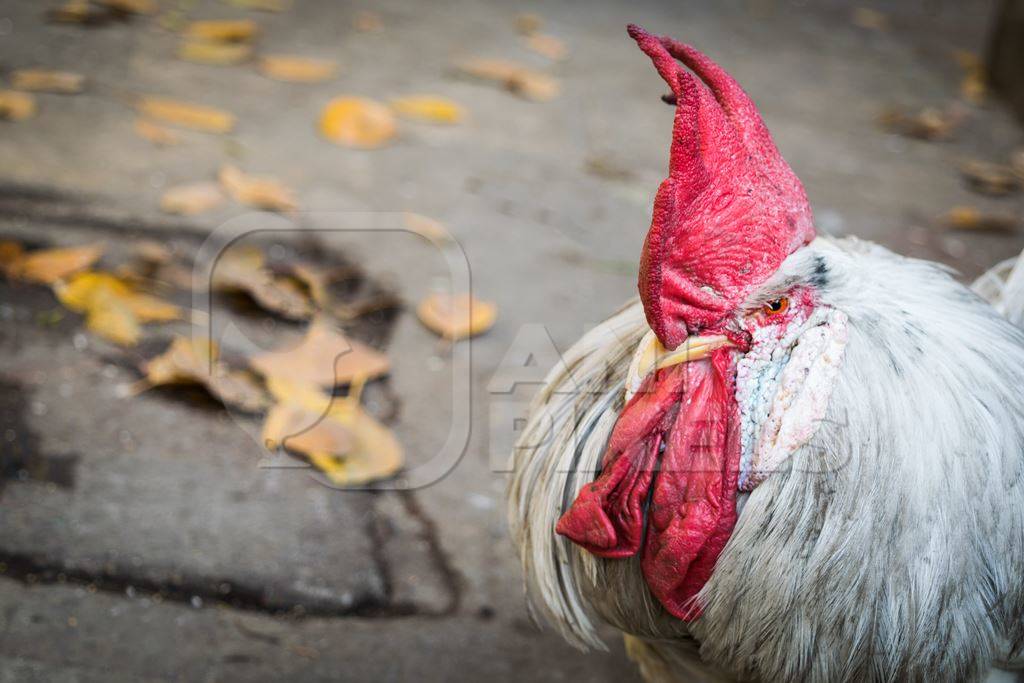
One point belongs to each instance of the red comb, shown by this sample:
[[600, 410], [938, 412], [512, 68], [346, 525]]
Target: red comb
[[731, 209]]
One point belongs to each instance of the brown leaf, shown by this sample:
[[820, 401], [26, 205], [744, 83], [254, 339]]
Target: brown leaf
[[929, 123], [367, 22], [214, 52], [428, 108], [261, 193], [46, 266], [10, 253], [972, 218], [514, 77], [456, 317], [194, 361], [297, 69], [223, 31], [46, 80], [366, 451], [191, 199], [991, 179], [155, 133], [86, 291], [16, 106], [323, 358], [131, 6], [870, 19], [241, 269], [357, 122], [547, 46], [185, 115], [529, 24]]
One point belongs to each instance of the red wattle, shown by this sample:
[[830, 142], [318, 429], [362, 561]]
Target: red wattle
[[692, 510]]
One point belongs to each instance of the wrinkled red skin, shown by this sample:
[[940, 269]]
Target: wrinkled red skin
[[693, 503], [730, 211]]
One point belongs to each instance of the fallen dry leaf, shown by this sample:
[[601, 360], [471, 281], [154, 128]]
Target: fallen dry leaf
[[85, 292], [324, 358], [10, 253], [155, 133], [528, 23], [194, 361], [186, 115], [16, 106], [191, 199], [46, 266], [214, 52], [547, 46], [871, 19], [357, 122], [76, 12], [974, 85], [223, 31], [46, 80], [111, 318], [297, 69], [426, 227], [456, 317], [241, 269], [367, 22], [929, 123], [971, 218], [366, 451], [428, 108], [261, 193], [130, 6], [514, 77], [991, 179], [262, 5]]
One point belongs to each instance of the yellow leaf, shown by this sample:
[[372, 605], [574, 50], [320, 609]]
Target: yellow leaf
[[45, 80], [111, 318], [185, 115], [548, 46], [191, 199], [155, 133], [514, 77], [262, 193], [456, 317], [428, 108], [194, 361], [357, 122], [324, 358], [971, 218], [297, 69], [46, 266], [241, 270], [83, 292], [73, 12], [131, 6], [213, 52], [16, 106], [225, 31]]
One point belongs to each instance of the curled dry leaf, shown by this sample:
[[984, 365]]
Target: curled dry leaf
[[428, 228], [261, 193], [241, 269], [547, 46], [155, 133], [297, 69], [16, 106], [972, 218], [366, 452], [130, 6], [83, 293], [46, 80], [990, 179], [214, 52], [185, 115], [223, 31], [529, 24], [514, 77], [357, 122], [191, 199], [428, 108], [456, 317], [324, 358], [46, 266], [928, 124], [194, 361]]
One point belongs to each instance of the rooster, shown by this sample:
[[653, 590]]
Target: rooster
[[794, 458]]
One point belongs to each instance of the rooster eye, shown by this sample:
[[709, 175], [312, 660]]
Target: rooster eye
[[776, 307]]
